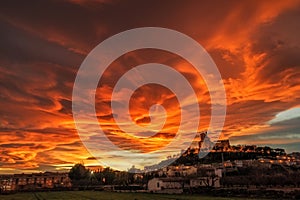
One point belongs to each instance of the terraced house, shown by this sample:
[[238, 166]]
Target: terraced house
[[34, 181]]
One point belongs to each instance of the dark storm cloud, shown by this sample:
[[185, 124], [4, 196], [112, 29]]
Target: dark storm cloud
[[17, 45], [279, 40], [273, 135], [61, 21]]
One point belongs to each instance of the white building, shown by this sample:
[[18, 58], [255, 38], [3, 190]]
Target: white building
[[166, 185]]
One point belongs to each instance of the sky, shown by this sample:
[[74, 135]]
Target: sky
[[254, 44]]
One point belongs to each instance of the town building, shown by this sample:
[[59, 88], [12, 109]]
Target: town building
[[176, 185], [34, 181], [173, 185]]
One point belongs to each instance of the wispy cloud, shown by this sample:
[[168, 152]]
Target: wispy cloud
[[254, 44]]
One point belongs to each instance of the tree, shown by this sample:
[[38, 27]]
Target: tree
[[78, 172], [108, 175]]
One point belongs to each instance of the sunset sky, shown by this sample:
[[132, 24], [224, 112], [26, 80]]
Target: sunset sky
[[255, 45]]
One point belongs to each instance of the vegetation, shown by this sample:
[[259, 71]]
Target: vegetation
[[78, 172], [80, 176], [267, 176], [84, 195], [217, 157], [83, 178]]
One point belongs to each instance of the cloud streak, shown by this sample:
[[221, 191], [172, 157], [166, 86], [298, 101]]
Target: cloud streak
[[255, 45]]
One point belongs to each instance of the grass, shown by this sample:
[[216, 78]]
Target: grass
[[96, 195]]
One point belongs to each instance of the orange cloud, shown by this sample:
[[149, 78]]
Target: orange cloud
[[254, 44]]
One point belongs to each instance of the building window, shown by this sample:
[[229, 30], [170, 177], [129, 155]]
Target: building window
[[157, 184]]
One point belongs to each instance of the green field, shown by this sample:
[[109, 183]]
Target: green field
[[93, 195]]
